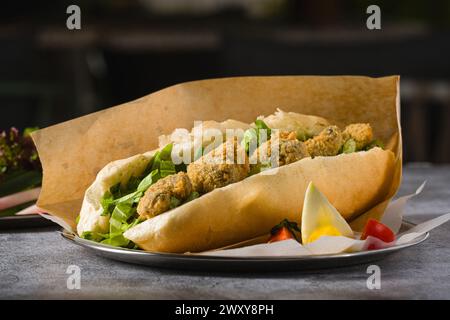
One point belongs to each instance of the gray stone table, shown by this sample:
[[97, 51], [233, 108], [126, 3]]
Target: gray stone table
[[33, 264]]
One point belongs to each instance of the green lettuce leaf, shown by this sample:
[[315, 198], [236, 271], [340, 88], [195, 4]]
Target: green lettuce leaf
[[349, 146], [262, 125], [120, 201], [166, 168], [94, 236], [252, 135], [375, 143], [192, 196], [174, 202]]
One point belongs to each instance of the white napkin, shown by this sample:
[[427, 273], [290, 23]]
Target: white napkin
[[333, 245]]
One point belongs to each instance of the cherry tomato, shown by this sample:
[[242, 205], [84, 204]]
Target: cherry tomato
[[378, 230], [282, 233], [284, 230]]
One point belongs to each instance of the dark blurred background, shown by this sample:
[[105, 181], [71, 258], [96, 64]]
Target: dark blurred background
[[129, 48]]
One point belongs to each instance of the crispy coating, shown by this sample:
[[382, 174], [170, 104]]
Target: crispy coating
[[288, 135], [290, 150], [361, 133], [327, 143], [156, 199], [224, 165]]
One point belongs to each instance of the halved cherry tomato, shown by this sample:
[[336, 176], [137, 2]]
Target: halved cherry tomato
[[283, 231], [378, 230]]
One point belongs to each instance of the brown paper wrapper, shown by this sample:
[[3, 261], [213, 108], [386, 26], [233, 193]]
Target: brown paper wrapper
[[73, 152]]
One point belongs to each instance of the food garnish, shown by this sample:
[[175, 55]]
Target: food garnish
[[377, 230], [320, 218], [284, 230]]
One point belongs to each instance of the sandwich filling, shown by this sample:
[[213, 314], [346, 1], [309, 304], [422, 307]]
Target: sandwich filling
[[164, 185]]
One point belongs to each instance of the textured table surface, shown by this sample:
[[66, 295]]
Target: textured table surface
[[33, 264]]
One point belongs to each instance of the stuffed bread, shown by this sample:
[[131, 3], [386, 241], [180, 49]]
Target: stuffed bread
[[148, 202]]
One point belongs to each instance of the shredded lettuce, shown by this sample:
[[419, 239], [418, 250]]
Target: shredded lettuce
[[303, 135], [174, 202], [252, 135], [95, 236], [349, 146], [260, 167], [375, 143], [120, 201], [192, 196], [166, 168], [148, 181], [163, 161], [110, 201], [198, 153], [262, 125]]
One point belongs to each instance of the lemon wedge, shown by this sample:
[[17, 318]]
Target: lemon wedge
[[320, 218]]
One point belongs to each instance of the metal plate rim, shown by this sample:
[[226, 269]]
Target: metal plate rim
[[103, 248]]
